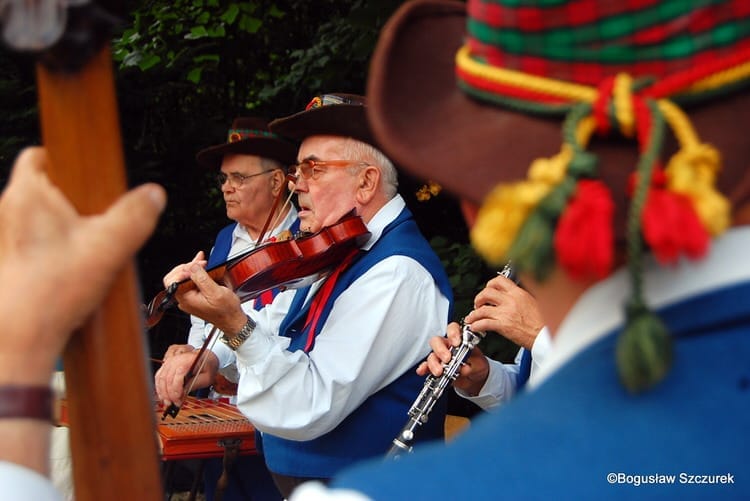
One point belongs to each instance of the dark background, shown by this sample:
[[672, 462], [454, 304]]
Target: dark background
[[184, 69]]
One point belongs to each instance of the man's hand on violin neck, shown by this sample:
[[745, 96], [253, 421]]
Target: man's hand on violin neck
[[212, 302]]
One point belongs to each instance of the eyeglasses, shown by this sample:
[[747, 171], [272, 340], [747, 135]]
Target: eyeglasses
[[235, 178], [310, 168]]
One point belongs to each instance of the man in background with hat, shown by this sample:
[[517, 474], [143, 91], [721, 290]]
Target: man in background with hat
[[328, 376], [632, 236], [251, 169], [251, 175]]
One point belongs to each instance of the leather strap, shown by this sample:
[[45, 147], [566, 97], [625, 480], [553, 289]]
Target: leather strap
[[26, 402]]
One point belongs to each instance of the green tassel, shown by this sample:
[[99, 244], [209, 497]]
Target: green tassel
[[532, 250], [644, 350], [583, 164]]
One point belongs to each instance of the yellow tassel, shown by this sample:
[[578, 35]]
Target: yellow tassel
[[623, 101], [504, 211], [692, 171]]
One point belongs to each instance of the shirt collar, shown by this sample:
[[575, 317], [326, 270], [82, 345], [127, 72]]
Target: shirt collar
[[242, 240], [382, 218]]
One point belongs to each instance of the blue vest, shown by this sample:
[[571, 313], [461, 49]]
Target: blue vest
[[580, 435], [220, 253], [370, 429]]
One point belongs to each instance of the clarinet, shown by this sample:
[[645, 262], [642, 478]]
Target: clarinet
[[435, 386]]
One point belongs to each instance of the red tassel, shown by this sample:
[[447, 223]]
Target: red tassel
[[670, 225], [601, 105], [584, 236]]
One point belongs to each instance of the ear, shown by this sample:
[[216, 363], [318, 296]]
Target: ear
[[368, 185], [278, 180]]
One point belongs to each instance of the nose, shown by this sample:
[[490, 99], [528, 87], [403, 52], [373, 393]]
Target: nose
[[297, 183], [226, 186]]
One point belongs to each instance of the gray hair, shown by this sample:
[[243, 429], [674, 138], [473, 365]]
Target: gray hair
[[355, 149], [270, 164]]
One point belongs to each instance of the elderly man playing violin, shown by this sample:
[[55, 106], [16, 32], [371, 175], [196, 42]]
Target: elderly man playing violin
[[327, 371], [251, 174]]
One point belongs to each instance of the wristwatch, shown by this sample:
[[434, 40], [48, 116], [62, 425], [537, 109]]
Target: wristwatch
[[236, 341]]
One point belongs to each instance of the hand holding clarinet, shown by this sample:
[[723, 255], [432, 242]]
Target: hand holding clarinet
[[502, 306]]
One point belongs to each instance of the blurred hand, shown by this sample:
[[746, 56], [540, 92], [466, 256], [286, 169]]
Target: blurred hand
[[56, 265]]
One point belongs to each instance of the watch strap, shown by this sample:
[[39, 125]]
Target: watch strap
[[26, 402], [236, 341]]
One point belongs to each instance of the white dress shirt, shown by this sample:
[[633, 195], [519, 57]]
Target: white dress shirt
[[502, 381], [23, 484], [378, 328]]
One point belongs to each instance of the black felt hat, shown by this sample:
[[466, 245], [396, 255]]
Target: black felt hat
[[250, 136], [328, 115]]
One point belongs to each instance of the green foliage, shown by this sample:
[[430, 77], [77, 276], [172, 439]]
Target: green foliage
[[18, 115], [185, 68], [466, 271], [245, 55]]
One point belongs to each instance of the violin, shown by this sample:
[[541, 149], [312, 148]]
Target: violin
[[288, 264]]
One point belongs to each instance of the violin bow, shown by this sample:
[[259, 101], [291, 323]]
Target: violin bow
[[267, 224], [110, 398], [195, 368]]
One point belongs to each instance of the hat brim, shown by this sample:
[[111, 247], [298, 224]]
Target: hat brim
[[346, 120], [282, 151], [425, 123]]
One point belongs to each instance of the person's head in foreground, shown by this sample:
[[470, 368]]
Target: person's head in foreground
[[604, 143]]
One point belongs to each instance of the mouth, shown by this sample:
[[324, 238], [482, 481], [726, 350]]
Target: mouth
[[303, 207]]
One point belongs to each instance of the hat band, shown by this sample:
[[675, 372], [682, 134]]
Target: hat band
[[333, 99], [235, 135], [585, 40]]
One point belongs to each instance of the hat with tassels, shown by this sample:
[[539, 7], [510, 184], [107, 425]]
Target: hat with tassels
[[479, 97]]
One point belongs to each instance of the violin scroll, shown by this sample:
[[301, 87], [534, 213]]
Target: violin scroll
[[154, 310]]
